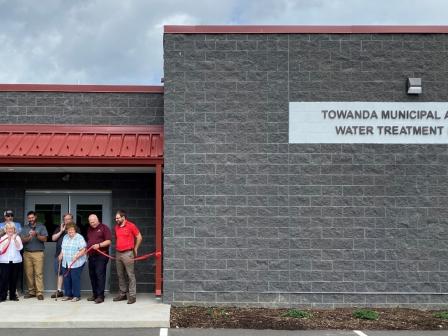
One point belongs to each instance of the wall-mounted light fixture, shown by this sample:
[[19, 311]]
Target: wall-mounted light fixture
[[414, 86]]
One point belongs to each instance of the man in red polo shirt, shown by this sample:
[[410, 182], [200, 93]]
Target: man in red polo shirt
[[128, 239]]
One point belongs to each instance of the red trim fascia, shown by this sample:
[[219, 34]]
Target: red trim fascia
[[361, 29], [51, 128], [79, 162], [159, 215], [82, 88]]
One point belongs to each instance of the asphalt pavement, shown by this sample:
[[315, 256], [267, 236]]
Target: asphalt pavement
[[210, 332]]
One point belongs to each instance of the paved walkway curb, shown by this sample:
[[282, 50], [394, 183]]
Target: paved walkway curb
[[147, 312]]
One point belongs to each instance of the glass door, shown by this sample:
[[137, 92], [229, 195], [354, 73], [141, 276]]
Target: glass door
[[50, 206], [82, 206]]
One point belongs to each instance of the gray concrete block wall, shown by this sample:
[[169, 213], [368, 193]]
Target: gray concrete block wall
[[252, 220], [81, 108]]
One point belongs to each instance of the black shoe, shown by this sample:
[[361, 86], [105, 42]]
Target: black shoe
[[119, 298], [57, 294], [29, 296], [91, 298], [99, 300], [14, 298], [132, 300], [40, 297]]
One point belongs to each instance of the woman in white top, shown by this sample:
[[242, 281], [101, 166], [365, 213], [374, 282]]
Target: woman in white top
[[10, 259]]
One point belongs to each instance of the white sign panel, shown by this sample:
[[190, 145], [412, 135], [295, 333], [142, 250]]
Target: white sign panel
[[368, 122]]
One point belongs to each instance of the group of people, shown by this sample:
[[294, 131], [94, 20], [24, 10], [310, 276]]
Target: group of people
[[72, 253]]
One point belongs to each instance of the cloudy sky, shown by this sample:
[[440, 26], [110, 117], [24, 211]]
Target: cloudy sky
[[120, 41]]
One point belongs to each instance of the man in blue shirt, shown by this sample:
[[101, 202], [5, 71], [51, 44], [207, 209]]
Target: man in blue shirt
[[34, 235], [9, 217]]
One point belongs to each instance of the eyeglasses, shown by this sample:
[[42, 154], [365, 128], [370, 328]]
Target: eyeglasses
[[8, 215]]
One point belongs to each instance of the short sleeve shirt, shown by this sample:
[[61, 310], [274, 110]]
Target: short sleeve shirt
[[71, 246], [34, 244], [126, 236], [98, 235]]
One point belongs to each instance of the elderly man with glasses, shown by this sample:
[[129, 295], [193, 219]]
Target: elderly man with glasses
[[128, 240]]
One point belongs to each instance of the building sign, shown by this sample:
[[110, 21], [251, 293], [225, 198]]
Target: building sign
[[368, 122]]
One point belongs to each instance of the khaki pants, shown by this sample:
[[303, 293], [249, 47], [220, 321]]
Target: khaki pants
[[126, 275], [33, 264]]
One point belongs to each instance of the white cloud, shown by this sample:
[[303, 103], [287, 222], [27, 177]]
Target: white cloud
[[177, 19], [120, 41]]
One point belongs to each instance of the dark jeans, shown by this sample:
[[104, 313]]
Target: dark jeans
[[97, 273], [8, 280], [72, 282], [20, 274]]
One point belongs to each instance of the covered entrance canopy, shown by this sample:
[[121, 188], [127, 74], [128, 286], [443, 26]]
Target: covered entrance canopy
[[81, 145], [89, 146]]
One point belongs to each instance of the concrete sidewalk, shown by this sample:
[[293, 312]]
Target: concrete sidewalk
[[147, 312]]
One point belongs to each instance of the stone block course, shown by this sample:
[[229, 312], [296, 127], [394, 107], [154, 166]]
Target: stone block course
[[82, 108]]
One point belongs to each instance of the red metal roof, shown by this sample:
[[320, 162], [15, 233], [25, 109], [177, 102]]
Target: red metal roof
[[82, 88], [307, 29], [80, 145]]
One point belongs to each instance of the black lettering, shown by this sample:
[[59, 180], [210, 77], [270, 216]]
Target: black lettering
[[410, 130], [354, 130]]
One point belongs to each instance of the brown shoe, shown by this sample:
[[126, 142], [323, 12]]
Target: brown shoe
[[132, 300], [99, 300], [119, 298], [40, 297], [29, 296], [92, 298], [57, 294]]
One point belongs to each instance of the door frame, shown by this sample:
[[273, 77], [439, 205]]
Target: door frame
[[73, 197]]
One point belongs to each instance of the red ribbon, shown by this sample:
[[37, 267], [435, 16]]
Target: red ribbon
[[3, 251], [157, 254]]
